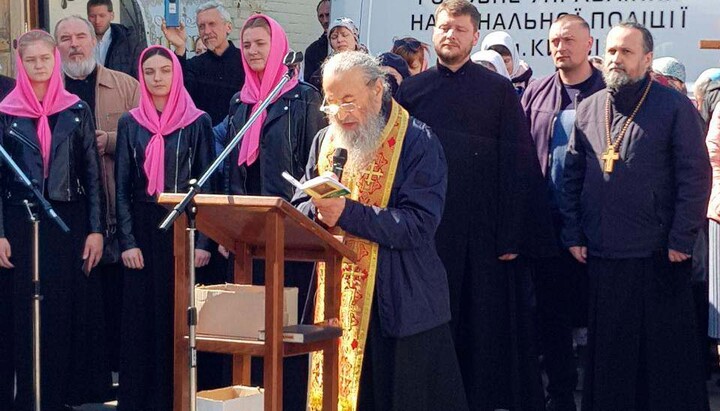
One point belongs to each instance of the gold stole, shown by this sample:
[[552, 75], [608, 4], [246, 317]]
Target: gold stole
[[372, 187]]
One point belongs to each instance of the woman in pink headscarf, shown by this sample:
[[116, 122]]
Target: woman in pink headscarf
[[279, 141], [50, 135], [161, 145]]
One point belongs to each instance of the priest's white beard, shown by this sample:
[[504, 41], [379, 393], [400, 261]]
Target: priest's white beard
[[79, 69], [361, 143]]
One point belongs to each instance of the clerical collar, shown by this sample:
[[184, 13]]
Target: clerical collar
[[449, 73], [625, 98]]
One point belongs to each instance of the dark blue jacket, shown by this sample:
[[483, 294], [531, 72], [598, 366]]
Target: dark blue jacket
[[411, 282], [124, 52], [541, 104], [657, 194]]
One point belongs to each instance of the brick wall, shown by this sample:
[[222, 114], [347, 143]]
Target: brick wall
[[297, 17]]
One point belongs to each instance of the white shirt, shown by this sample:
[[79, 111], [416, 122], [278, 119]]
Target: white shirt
[[103, 46]]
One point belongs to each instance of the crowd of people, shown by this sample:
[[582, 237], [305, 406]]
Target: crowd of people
[[495, 215]]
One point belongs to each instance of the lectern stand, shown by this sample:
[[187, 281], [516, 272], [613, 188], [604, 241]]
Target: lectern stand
[[268, 228]]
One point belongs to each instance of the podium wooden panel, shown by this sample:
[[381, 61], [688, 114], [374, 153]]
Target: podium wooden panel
[[257, 227]]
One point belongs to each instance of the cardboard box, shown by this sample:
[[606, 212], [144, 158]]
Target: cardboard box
[[237, 398], [234, 310]]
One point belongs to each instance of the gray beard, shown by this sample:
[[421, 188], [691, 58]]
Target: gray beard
[[361, 144], [617, 79], [79, 70]]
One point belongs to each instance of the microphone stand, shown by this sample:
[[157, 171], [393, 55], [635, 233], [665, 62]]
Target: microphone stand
[[291, 59], [36, 296]]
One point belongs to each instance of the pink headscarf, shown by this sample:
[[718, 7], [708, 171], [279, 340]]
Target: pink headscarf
[[254, 90], [22, 102], [178, 112]]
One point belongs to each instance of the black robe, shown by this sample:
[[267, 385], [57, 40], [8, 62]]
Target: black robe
[[477, 117], [146, 354], [642, 347]]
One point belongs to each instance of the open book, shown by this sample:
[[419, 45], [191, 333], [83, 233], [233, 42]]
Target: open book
[[323, 186]]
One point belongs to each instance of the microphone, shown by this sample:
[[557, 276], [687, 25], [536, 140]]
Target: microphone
[[292, 58], [339, 160]]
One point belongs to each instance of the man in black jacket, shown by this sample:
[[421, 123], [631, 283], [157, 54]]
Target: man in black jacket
[[117, 46], [317, 51], [6, 85], [560, 281], [636, 186], [212, 78]]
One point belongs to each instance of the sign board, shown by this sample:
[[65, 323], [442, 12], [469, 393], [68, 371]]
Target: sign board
[[677, 25]]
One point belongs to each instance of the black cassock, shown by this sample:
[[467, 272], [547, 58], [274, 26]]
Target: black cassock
[[642, 348], [477, 117]]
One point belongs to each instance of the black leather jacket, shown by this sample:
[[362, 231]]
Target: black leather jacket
[[74, 162], [188, 152], [287, 134]]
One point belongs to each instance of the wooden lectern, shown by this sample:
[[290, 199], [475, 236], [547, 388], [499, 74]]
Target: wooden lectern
[[262, 227]]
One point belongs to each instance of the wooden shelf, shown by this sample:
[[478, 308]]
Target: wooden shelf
[[256, 348]]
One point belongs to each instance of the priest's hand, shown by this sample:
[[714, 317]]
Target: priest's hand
[[133, 259], [677, 256], [507, 257], [92, 252], [202, 258], [5, 253], [101, 139], [175, 36], [329, 209], [580, 253]]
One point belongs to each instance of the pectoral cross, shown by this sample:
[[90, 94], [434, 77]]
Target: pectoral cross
[[609, 157]]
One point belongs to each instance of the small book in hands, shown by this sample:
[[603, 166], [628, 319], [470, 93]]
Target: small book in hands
[[324, 186], [307, 333]]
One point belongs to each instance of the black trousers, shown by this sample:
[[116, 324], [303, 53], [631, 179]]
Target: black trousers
[[642, 347], [561, 290], [74, 367]]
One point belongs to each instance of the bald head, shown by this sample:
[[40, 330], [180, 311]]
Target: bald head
[[570, 42]]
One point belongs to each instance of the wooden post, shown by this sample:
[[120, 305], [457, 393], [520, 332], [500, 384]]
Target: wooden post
[[274, 293], [331, 356], [242, 275]]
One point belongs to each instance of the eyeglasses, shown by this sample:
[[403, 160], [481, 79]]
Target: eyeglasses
[[407, 42], [334, 109]]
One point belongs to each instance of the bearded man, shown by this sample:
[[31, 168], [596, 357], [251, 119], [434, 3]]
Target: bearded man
[[637, 182], [396, 351], [489, 228], [109, 94]]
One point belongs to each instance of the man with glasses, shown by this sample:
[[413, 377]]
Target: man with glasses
[[396, 350], [317, 51], [488, 227]]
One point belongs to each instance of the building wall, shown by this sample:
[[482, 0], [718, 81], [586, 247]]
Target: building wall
[[297, 17]]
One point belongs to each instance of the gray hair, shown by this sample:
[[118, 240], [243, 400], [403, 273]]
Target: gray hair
[[648, 43], [348, 60], [214, 5], [91, 29]]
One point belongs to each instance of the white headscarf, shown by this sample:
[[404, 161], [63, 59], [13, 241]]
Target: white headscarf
[[494, 58], [503, 39]]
